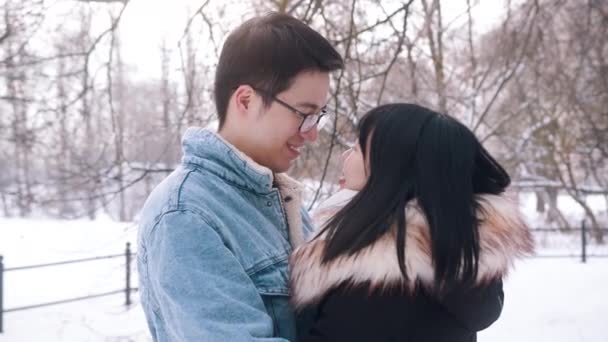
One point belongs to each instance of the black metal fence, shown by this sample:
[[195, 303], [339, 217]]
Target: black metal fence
[[128, 255], [576, 242], [579, 244]]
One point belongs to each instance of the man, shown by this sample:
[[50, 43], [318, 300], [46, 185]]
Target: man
[[216, 234]]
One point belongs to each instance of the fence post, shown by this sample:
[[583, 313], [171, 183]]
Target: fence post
[[584, 242], [128, 274], [1, 293]]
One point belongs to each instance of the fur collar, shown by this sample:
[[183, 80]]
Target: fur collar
[[291, 193], [503, 232]]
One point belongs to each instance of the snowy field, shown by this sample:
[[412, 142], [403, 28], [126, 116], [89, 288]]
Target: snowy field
[[554, 300], [557, 300], [30, 242]]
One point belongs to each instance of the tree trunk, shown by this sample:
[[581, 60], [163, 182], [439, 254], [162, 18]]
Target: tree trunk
[[540, 202]]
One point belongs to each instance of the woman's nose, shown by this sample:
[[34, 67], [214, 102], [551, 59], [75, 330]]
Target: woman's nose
[[345, 155]]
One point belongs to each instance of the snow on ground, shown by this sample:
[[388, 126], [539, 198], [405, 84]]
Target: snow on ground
[[30, 242], [556, 300], [95, 320], [546, 299]]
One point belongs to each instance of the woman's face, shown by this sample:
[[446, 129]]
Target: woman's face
[[354, 175]]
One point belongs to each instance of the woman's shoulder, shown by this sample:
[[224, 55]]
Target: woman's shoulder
[[503, 238]]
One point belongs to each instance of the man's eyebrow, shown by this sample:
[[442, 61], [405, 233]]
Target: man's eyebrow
[[309, 105]]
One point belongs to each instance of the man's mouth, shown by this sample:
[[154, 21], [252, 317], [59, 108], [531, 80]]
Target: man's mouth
[[295, 148]]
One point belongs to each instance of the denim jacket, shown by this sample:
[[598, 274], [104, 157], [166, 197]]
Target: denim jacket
[[213, 247]]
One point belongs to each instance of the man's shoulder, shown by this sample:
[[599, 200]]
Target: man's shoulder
[[177, 191], [188, 188]]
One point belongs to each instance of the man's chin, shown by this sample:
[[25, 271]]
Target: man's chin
[[282, 167]]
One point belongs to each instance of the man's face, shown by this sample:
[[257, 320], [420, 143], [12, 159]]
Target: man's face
[[275, 137]]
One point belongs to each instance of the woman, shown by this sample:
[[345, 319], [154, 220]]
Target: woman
[[419, 253]]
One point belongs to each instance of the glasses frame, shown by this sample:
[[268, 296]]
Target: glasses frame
[[304, 116]]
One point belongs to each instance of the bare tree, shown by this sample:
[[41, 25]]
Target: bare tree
[[533, 88]]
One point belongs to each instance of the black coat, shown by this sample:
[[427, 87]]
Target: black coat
[[354, 314], [363, 297]]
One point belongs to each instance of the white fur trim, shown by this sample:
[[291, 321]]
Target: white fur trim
[[504, 236], [292, 190], [330, 206]]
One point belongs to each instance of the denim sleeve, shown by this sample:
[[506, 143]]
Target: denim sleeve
[[203, 292]]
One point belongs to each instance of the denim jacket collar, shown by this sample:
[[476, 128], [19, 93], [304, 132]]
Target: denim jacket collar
[[208, 150]]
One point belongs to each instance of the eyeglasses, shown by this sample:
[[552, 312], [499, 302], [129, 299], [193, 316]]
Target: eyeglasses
[[309, 121]]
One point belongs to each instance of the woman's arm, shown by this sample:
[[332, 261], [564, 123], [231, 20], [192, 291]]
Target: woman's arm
[[477, 308]]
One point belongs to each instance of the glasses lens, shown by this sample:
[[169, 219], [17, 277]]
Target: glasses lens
[[309, 122], [323, 122]]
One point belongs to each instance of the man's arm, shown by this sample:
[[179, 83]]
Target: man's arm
[[203, 291]]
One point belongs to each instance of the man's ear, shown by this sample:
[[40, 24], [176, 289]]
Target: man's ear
[[242, 97]]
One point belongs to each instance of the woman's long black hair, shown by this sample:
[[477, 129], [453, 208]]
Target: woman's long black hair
[[416, 153]]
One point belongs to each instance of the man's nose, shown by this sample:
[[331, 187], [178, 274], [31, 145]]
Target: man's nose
[[311, 135]]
